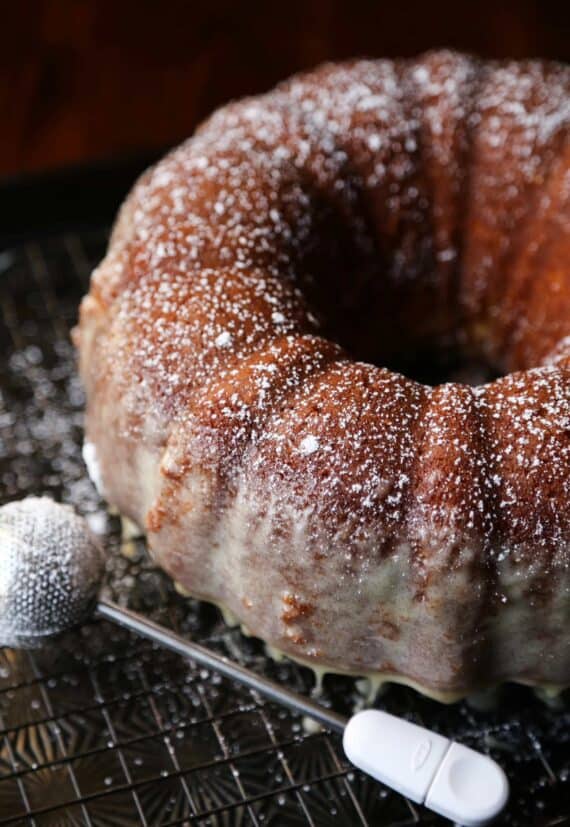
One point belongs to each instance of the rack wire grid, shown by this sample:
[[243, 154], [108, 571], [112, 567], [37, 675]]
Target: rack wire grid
[[102, 728]]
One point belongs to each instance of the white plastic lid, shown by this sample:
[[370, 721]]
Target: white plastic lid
[[450, 779], [469, 788]]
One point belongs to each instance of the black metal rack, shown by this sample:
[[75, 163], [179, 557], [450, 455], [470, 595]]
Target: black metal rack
[[102, 728]]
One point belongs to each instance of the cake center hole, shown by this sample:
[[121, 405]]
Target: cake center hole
[[387, 313], [437, 366], [389, 340]]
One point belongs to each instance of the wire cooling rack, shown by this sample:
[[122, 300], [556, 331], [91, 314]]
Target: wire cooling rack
[[102, 728]]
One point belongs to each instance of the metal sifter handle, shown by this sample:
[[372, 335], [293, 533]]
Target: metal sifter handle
[[205, 657]]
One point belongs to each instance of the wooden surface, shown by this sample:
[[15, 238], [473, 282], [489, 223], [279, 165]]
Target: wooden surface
[[81, 81]]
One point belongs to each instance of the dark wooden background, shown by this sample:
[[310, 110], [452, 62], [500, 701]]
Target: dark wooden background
[[87, 81]]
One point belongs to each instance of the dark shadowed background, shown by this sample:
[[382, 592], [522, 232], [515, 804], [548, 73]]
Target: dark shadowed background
[[89, 81]]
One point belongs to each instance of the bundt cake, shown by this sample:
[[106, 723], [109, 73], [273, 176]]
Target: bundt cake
[[233, 349]]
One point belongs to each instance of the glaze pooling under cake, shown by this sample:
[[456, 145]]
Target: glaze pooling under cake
[[350, 516]]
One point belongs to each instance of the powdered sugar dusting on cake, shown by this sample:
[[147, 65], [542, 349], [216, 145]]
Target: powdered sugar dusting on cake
[[309, 444], [221, 227], [387, 202], [223, 339]]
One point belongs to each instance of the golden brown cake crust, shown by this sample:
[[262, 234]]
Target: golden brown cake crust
[[348, 515]]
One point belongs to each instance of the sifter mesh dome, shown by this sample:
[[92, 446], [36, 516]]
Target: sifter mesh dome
[[50, 570]]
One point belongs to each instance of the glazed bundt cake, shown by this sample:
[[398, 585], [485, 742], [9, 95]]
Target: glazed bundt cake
[[233, 349]]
